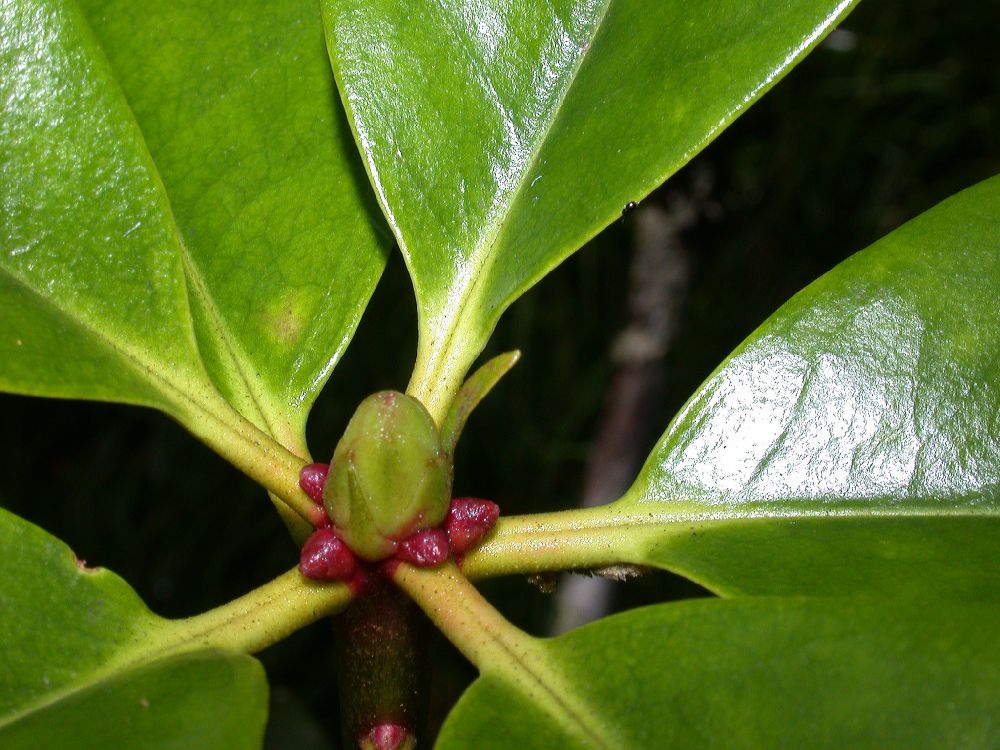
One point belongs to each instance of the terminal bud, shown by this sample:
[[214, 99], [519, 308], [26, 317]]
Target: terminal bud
[[390, 475]]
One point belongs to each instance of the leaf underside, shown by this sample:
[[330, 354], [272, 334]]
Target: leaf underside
[[86, 664], [817, 673]]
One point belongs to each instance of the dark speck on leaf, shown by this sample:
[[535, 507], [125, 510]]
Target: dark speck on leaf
[[629, 207]]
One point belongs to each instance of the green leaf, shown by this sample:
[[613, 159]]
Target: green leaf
[[205, 699], [256, 222], [282, 239], [207, 164], [855, 436], [760, 673], [87, 664], [94, 300], [501, 137], [851, 444]]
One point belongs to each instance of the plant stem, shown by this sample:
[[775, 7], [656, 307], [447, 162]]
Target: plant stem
[[437, 377], [469, 621], [382, 648]]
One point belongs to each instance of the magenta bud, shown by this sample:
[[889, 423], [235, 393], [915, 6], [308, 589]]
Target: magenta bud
[[388, 736], [325, 557], [312, 478], [468, 521], [425, 549]]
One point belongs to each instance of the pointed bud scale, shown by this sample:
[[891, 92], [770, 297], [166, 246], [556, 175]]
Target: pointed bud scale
[[425, 549], [325, 557], [469, 519], [388, 736], [311, 480], [389, 476]]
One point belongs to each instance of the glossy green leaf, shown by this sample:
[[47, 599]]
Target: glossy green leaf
[[500, 137], [751, 673], [204, 699], [284, 241], [92, 279], [206, 167], [86, 664], [854, 439], [91, 276], [851, 444]]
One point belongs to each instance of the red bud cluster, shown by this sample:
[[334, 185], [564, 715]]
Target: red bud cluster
[[326, 556]]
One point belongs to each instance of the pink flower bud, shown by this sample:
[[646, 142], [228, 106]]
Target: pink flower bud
[[388, 736], [311, 480], [325, 557], [469, 519], [425, 549]]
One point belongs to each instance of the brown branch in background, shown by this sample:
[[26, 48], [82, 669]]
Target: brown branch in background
[[658, 284]]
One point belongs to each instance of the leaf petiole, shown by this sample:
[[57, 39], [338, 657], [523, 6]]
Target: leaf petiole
[[498, 648], [260, 618]]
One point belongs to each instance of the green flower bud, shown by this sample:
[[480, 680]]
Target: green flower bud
[[390, 475]]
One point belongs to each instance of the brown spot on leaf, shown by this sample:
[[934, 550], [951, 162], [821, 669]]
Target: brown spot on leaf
[[82, 565], [285, 318]]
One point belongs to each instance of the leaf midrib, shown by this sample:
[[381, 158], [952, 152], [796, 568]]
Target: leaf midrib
[[523, 662], [228, 347], [556, 689], [605, 536], [815, 511], [483, 255]]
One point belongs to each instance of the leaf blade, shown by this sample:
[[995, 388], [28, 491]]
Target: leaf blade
[[81, 652], [851, 444], [757, 673], [874, 392], [508, 100], [89, 227], [58, 92], [282, 245], [156, 706]]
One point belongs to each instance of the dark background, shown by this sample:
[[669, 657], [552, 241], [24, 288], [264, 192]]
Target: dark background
[[899, 112]]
